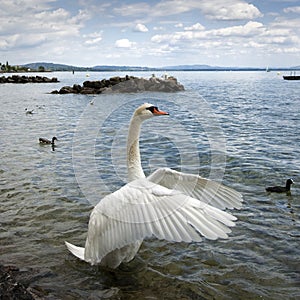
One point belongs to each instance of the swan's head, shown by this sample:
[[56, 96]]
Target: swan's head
[[147, 111]]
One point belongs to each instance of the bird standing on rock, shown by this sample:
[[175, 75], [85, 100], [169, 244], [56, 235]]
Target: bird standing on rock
[[281, 189]]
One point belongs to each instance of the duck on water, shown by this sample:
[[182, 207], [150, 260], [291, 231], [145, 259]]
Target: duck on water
[[28, 112], [48, 142], [281, 189]]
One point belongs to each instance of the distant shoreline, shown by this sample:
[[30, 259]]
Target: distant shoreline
[[56, 67], [160, 70]]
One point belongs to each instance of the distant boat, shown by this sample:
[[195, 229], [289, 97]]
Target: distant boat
[[291, 77], [268, 70]]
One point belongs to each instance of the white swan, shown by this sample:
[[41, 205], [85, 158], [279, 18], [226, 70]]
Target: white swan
[[168, 204]]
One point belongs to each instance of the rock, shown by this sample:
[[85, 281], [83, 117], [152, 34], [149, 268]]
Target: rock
[[106, 90], [93, 84], [10, 288], [127, 84], [66, 90], [77, 87], [141, 84], [115, 80], [27, 79], [87, 90], [16, 284]]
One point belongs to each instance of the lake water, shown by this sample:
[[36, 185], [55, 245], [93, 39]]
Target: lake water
[[241, 128]]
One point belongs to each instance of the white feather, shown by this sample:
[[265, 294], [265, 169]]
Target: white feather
[[77, 251], [206, 190], [168, 204]]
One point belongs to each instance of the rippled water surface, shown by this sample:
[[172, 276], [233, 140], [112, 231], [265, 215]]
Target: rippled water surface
[[241, 128]]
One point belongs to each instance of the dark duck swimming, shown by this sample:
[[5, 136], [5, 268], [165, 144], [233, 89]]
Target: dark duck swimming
[[29, 112], [281, 189], [46, 141]]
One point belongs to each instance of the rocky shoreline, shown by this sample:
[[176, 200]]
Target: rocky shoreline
[[127, 84], [10, 287], [27, 79], [19, 284]]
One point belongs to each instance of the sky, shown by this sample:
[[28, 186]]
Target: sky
[[260, 33]]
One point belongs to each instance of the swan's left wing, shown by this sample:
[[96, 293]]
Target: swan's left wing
[[197, 187], [142, 209]]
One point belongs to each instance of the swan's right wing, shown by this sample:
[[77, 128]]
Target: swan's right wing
[[142, 209], [205, 190]]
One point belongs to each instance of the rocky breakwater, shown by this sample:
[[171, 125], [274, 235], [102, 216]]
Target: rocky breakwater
[[27, 79], [127, 84]]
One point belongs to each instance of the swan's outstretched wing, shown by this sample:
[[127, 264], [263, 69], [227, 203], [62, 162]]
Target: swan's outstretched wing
[[141, 209], [206, 190]]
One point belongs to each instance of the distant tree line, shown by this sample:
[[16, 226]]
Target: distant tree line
[[9, 68]]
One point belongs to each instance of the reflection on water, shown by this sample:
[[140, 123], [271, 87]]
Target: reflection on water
[[47, 194]]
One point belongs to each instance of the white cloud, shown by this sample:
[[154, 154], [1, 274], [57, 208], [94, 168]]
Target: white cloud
[[178, 25], [132, 9], [18, 41], [229, 10], [124, 43], [158, 28], [172, 7], [292, 9], [112, 55], [52, 16], [38, 30], [50, 30], [195, 27], [24, 7], [291, 24], [217, 9], [35, 23], [253, 39], [140, 28], [93, 39], [249, 29]]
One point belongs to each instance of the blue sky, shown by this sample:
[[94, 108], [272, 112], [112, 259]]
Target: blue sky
[[157, 33]]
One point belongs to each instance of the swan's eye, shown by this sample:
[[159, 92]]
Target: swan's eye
[[153, 109]]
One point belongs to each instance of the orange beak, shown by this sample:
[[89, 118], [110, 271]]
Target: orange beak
[[159, 112]]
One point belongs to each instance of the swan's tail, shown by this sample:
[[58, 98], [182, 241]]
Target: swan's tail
[[77, 251]]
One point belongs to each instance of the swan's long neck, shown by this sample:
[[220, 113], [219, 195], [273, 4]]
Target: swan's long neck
[[134, 165]]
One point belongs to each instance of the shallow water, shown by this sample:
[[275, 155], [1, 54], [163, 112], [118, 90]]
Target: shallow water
[[241, 128]]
